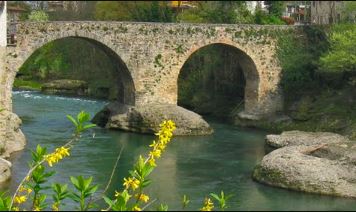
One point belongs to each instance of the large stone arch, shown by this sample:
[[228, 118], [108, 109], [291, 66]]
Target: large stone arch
[[18, 57], [248, 66]]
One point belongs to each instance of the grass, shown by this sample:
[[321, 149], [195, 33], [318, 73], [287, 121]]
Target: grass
[[27, 84]]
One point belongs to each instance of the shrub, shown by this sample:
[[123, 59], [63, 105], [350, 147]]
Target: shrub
[[38, 15], [342, 54]]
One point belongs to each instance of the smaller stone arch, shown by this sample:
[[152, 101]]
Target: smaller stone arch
[[249, 68]]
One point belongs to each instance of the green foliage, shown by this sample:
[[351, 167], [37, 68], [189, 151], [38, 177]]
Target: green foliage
[[222, 199], [27, 84], [46, 62], [349, 13], [84, 191], [342, 54], [217, 12], [38, 15], [162, 207], [60, 193], [5, 201], [275, 8], [57, 60], [298, 56], [185, 201], [263, 18], [149, 11]]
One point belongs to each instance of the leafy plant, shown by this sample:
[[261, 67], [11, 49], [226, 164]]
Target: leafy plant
[[84, 191], [38, 15], [79, 123], [222, 199]]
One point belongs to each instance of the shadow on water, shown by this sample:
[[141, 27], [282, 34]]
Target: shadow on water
[[195, 166]]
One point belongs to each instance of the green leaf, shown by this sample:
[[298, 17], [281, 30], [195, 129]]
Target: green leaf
[[108, 201], [83, 117], [162, 207], [75, 182], [72, 120], [88, 126]]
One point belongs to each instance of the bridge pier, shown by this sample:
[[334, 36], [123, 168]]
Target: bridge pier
[[11, 137]]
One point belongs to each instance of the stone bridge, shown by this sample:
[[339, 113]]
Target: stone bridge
[[149, 57]]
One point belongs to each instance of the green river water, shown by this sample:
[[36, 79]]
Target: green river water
[[194, 166]]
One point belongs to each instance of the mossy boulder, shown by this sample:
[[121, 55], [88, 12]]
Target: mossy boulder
[[146, 119]]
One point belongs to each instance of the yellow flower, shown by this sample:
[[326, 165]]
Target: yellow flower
[[136, 209], [27, 178], [55, 207], [156, 153], [63, 151], [37, 208], [152, 162], [131, 182], [15, 208], [29, 191], [143, 197], [20, 199], [22, 189], [208, 205], [59, 154]]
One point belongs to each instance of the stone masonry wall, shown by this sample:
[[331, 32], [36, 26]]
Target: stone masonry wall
[[154, 53]]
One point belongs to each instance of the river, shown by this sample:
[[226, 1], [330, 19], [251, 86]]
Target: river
[[195, 166]]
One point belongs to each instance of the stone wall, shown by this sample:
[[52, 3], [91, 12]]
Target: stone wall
[[3, 22], [154, 53]]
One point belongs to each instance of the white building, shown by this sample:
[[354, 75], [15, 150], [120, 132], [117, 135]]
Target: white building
[[252, 5], [3, 24]]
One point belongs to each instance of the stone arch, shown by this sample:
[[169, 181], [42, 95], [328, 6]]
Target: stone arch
[[126, 82], [249, 68]]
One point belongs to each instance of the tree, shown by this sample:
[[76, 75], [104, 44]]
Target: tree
[[275, 8]]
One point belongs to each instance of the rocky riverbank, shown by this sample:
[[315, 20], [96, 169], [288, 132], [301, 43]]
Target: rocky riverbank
[[321, 163], [146, 119], [11, 140]]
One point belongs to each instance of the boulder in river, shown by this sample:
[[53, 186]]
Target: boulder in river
[[66, 86], [146, 118], [324, 165]]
